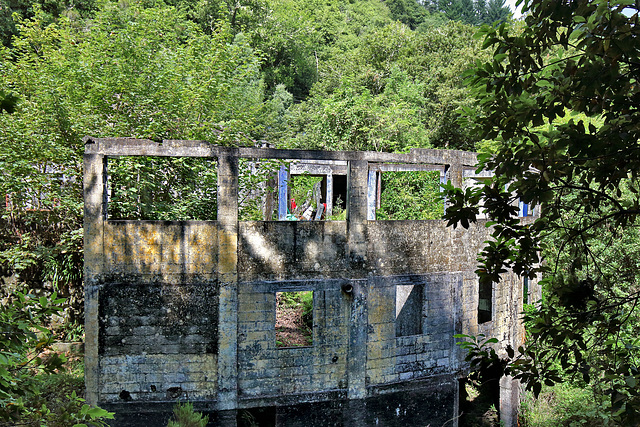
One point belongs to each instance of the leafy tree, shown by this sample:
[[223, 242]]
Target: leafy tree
[[496, 11], [135, 71], [395, 90], [241, 15], [561, 98], [409, 12], [297, 37], [471, 12], [50, 11]]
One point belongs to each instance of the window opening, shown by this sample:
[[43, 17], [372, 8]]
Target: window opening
[[307, 199], [525, 290], [258, 182], [162, 188], [408, 195], [485, 297], [409, 316], [339, 197], [312, 190], [294, 319]]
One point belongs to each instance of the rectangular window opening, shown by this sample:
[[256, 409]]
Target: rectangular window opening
[[307, 197], [485, 297], [162, 188], [292, 190], [405, 192], [294, 319], [409, 303], [258, 188], [311, 190], [525, 290]]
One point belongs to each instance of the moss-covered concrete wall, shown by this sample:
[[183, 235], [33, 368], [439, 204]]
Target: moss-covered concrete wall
[[186, 309]]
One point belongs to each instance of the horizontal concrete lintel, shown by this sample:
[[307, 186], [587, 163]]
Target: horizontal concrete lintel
[[406, 168], [471, 173], [291, 399], [293, 285], [418, 384], [155, 406], [184, 148], [319, 168]]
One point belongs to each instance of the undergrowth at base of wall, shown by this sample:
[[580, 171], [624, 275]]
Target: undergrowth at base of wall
[[564, 405], [58, 401]]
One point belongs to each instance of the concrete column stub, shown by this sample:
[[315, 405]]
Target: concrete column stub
[[228, 281], [455, 174]]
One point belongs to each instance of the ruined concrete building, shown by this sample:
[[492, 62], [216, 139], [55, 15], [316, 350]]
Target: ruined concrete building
[[186, 309]]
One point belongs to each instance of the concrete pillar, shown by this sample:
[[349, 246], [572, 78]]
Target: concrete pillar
[[228, 281], [509, 401], [455, 174], [94, 216], [357, 351], [357, 247]]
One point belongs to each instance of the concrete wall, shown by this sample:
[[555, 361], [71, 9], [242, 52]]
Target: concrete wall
[[186, 309]]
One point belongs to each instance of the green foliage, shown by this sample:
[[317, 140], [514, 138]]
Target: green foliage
[[410, 196], [563, 405], [295, 299], [72, 411], [338, 213], [574, 59], [22, 340], [395, 89], [162, 188], [134, 71], [409, 12], [50, 10], [27, 374], [471, 12], [294, 319], [185, 416]]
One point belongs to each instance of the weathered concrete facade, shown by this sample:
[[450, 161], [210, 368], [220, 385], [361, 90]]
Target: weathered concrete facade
[[186, 309]]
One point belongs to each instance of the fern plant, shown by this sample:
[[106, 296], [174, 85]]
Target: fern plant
[[185, 416]]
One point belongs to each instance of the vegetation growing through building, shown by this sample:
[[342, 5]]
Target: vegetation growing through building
[[148, 188], [577, 59], [336, 75], [410, 196], [185, 416], [294, 319]]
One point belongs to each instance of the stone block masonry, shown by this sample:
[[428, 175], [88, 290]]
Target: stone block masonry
[[186, 309]]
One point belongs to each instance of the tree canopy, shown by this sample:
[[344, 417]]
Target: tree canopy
[[561, 99]]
